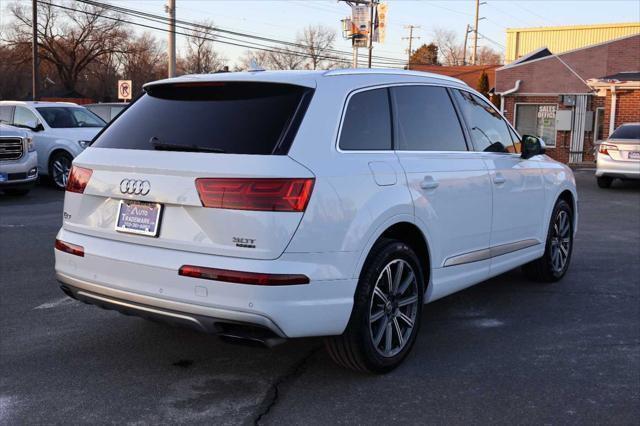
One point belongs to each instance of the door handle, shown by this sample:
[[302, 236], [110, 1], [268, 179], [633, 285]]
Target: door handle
[[499, 179], [429, 183]]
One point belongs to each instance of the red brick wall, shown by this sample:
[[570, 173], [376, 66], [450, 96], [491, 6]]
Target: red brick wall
[[628, 107], [563, 139]]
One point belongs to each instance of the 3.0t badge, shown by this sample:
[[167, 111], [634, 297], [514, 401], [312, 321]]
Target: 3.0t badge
[[135, 186]]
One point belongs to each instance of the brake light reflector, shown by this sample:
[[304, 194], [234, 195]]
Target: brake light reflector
[[605, 148], [73, 249], [239, 277], [282, 195], [78, 179]]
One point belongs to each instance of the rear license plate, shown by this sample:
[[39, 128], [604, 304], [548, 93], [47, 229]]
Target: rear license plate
[[138, 217], [634, 155]]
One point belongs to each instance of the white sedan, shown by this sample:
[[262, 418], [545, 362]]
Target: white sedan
[[619, 156]]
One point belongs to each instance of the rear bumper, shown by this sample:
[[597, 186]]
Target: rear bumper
[[144, 281], [618, 169]]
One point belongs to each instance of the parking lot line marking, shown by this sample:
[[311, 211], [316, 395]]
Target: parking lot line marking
[[55, 303]]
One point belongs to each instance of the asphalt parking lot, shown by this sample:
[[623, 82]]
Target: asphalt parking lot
[[507, 351]]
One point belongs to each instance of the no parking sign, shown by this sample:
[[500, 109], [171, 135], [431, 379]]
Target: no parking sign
[[124, 90]]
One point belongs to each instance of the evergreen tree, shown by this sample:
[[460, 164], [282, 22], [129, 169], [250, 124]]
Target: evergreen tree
[[483, 84], [427, 54]]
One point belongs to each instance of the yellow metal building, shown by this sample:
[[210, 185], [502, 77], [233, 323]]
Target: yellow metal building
[[521, 41]]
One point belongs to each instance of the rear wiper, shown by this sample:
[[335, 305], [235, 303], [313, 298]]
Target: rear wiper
[[164, 146]]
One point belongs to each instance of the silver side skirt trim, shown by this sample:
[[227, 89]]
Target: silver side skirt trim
[[488, 253]]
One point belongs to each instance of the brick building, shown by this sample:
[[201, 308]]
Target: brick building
[[470, 74], [568, 99]]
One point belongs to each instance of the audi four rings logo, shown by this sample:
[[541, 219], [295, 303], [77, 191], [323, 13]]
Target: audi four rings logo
[[135, 187]]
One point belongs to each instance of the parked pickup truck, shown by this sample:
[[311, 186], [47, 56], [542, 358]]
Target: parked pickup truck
[[18, 161]]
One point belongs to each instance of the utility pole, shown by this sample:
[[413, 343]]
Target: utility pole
[[372, 4], [410, 38], [474, 57], [464, 48], [171, 46], [34, 59]]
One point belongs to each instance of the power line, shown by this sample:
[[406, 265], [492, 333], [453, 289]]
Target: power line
[[163, 19], [239, 43]]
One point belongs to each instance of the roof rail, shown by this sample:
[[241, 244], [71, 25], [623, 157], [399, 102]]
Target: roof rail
[[379, 71]]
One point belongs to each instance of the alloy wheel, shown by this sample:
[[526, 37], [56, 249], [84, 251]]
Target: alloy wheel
[[60, 171], [560, 241], [393, 308]]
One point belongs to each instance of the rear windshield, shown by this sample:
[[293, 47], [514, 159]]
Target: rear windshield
[[233, 118], [629, 131]]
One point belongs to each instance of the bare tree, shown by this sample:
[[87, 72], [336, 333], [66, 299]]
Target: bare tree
[[145, 61], [276, 59], [488, 56], [317, 42], [70, 40], [311, 50], [201, 56], [448, 46]]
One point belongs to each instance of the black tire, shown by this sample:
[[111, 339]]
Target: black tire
[[355, 348], [16, 192], [545, 269], [604, 181], [55, 174]]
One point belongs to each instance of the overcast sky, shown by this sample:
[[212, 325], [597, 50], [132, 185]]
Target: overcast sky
[[282, 19]]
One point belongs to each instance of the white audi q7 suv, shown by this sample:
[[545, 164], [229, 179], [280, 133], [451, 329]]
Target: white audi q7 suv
[[274, 205]]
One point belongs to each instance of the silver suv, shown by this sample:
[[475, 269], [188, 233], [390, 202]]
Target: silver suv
[[18, 161], [61, 131]]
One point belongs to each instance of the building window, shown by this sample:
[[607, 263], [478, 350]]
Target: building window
[[598, 126], [537, 120]]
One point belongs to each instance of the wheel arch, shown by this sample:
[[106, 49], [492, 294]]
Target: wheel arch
[[570, 198], [405, 230], [56, 151]]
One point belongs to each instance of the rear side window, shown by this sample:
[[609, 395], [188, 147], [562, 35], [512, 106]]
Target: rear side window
[[233, 118], [426, 120], [367, 122], [629, 131]]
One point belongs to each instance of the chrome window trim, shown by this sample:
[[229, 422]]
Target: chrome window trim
[[382, 86], [389, 85]]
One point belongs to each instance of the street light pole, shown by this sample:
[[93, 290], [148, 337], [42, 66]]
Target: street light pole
[[34, 53]]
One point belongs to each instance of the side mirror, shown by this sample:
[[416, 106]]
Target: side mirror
[[34, 126], [531, 146]]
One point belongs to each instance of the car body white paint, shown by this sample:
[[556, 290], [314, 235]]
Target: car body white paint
[[356, 197]]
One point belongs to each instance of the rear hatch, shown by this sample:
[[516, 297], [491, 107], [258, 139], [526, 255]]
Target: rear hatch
[[198, 167], [625, 149]]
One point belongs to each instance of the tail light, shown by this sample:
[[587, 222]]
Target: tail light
[[242, 277], [73, 249], [282, 195], [605, 148], [78, 179]]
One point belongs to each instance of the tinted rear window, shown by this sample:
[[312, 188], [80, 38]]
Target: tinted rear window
[[233, 118], [367, 122], [426, 120], [630, 131]]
